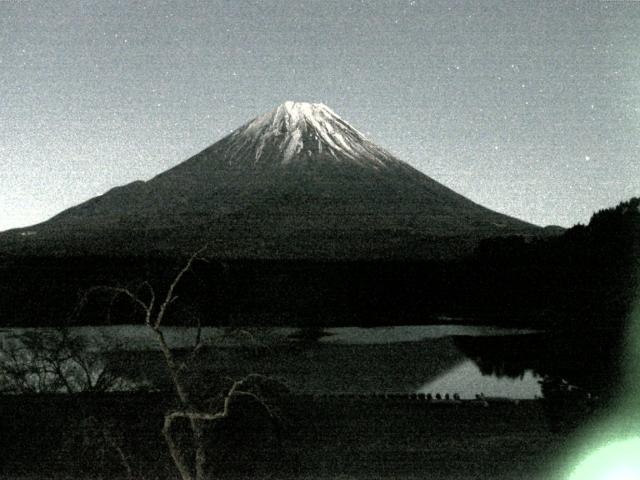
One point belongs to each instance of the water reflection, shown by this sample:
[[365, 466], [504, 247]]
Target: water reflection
[[467, 381], [586, 363], [515, 364]]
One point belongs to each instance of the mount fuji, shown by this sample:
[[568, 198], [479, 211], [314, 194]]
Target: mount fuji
[[296, 182]]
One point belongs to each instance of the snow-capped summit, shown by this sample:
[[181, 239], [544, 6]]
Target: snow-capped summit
[[298, 181], [292, 117], [299, 130]]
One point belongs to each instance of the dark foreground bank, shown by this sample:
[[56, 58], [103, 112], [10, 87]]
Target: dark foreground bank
[[118, 436]]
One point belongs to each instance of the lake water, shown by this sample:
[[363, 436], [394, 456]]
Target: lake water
[[467, 381], [423, 359]]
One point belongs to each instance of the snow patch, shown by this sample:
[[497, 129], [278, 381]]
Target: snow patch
[[285, 132]]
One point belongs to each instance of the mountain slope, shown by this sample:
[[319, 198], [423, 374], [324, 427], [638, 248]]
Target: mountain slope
[[296, 182]]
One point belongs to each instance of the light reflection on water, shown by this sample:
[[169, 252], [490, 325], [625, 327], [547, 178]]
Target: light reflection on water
[[466, 380], [138, 337], [413, 333], [431, 345]]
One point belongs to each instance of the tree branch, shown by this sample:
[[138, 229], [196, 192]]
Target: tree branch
[[169, 298]]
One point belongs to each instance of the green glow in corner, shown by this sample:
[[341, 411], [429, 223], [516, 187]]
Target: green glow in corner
[[617, 461], [611, 449]]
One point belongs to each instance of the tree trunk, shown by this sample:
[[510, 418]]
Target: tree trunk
[[176, 453]]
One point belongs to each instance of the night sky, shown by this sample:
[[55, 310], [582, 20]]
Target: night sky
[[529, 108]]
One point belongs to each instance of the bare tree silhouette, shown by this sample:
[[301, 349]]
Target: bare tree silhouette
[[53, 361], [190, 459]]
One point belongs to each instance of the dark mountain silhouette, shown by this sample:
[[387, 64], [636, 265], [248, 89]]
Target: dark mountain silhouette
[[584, 278], [296, 182]]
